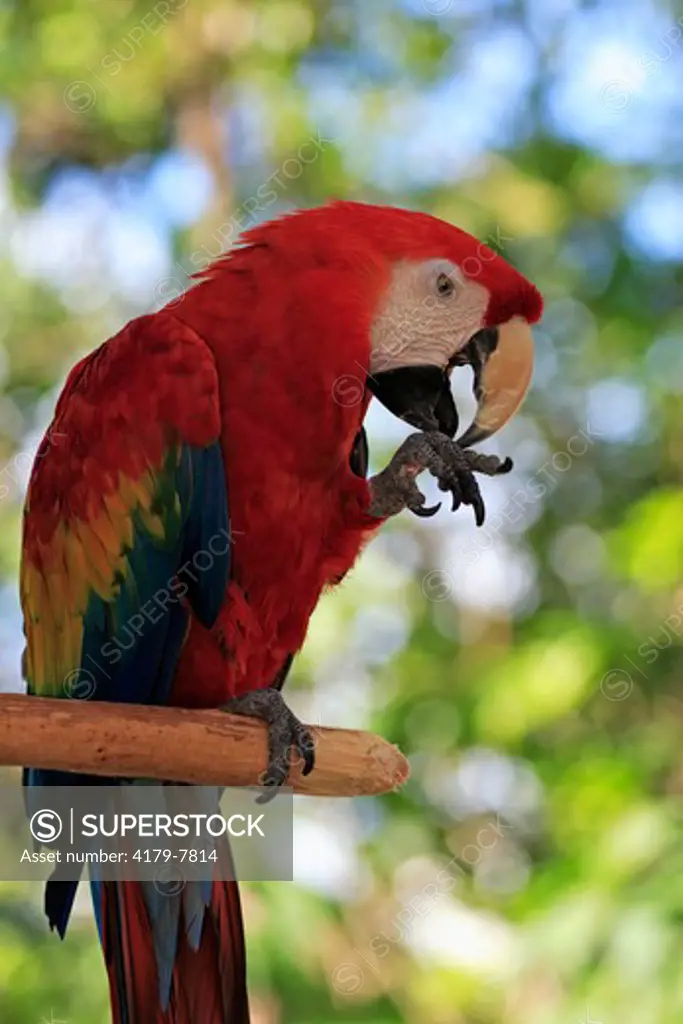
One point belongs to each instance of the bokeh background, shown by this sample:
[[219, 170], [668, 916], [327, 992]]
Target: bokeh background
[[531, 872]]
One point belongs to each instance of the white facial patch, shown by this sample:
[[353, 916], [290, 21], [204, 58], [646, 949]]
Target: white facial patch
[[429, 312]]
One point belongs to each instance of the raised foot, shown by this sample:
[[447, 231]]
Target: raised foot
[[454, 467], [285, 732]]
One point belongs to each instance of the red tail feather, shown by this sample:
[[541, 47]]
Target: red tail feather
[[208, 985]]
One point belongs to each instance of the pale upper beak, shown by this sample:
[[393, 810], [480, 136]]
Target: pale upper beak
[[502, 359], [501, 380]]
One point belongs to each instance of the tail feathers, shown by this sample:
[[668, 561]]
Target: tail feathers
[[171, 965], [210, 984], [129, 953], [225, 915], [59, 899], [163, 909]]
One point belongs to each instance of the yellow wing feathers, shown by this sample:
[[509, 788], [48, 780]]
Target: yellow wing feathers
[[82, 558]]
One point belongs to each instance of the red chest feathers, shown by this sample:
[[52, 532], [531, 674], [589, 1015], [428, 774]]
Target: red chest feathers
[[292, 536]]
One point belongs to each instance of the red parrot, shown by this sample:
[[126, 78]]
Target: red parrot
[[240, 396]]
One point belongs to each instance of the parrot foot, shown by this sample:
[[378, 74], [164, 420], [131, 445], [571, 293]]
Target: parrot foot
[[285, 732], [454, 467]]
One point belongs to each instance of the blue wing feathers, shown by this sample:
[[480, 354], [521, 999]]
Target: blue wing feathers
[[207, 535], [131, 646]]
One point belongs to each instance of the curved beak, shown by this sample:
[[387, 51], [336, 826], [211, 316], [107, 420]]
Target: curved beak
[[501, 380]]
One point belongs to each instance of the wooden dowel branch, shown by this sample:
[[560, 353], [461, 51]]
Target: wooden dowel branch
[[204, 747]]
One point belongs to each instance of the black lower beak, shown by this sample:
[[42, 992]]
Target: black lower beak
[[420, 395]]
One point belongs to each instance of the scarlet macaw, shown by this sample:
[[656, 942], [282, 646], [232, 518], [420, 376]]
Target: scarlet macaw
[[235, 394]]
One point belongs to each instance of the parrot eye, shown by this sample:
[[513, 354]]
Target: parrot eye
[[444, 285]]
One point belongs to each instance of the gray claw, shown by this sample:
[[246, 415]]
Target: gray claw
[[426, 513], [285, 732], [453, 467]]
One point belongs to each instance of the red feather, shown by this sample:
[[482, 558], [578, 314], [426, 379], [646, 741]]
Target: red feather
[[208, 984]]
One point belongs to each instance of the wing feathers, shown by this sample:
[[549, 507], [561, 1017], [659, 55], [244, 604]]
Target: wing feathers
[[141, 489]]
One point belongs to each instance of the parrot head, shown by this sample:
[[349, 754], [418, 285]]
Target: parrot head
[[448, 301], [404, 295]]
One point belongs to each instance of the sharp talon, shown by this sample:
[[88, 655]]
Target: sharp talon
[[285, 735], [268, 785], [426, 513], [269, 792], [309, 759], [475, 499], [452, 465], [305, 748]]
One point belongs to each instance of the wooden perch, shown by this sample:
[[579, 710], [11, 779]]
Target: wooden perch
[[205, 747]]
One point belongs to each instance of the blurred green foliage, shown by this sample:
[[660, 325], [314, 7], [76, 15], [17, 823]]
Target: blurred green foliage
[[531, 872]]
